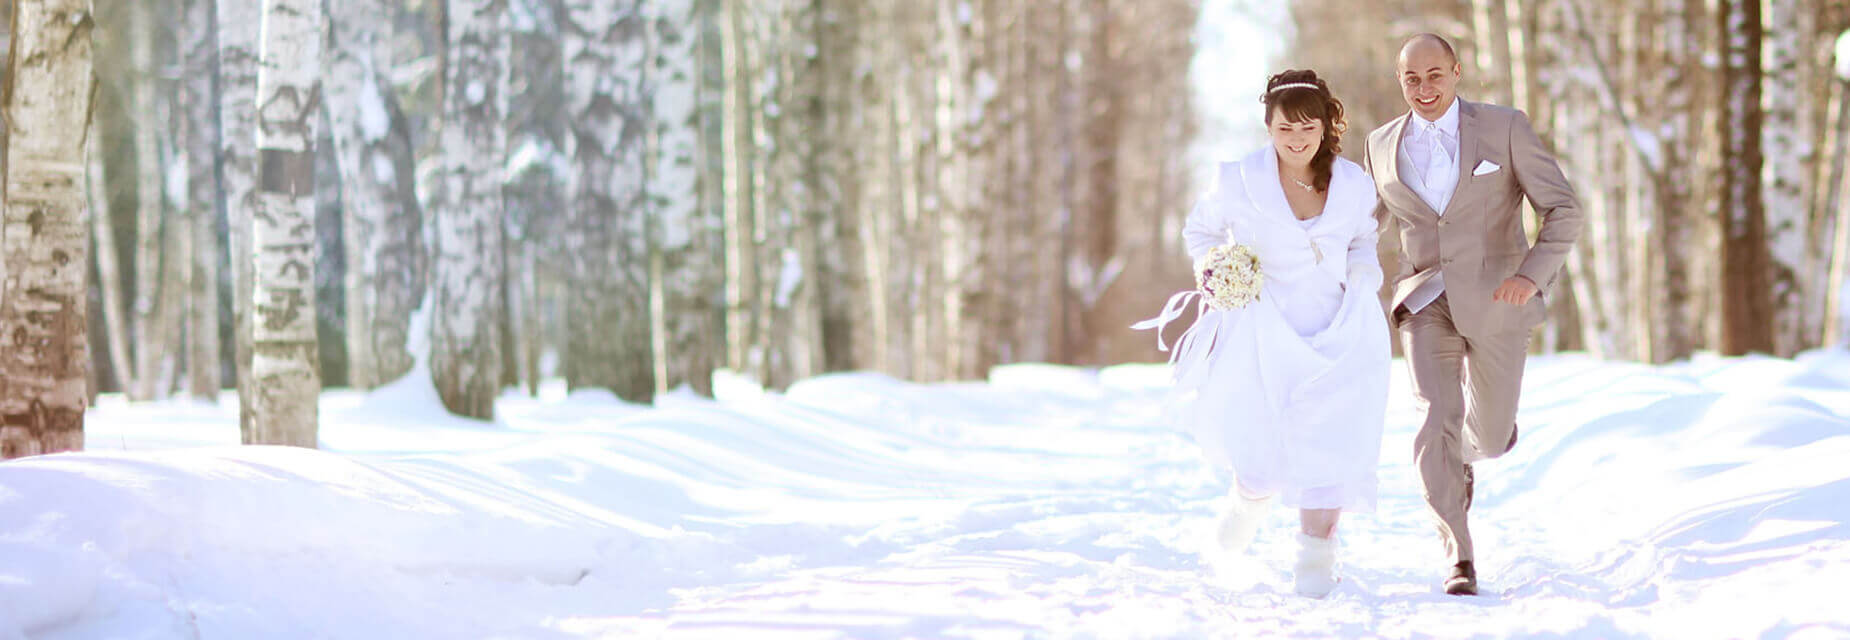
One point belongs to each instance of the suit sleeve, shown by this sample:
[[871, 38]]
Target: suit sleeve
[[1207, 223], [1382, 221], [1548, 191]]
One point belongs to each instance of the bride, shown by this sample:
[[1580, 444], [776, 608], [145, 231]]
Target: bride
[[1290, 390]]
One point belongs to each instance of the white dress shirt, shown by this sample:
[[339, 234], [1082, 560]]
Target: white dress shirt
[[1429, 165]]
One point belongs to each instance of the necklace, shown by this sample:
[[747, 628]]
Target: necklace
[[1315, 250]]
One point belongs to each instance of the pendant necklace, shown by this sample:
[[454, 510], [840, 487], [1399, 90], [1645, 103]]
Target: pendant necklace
[[1314, 249]]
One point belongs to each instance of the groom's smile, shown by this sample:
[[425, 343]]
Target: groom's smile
[[1428, 74]]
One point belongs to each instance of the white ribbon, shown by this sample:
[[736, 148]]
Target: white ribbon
[[1188, 363], [1171, 311]]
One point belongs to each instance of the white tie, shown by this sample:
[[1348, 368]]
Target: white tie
[[1437, 160]]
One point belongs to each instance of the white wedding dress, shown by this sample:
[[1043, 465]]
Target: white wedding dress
[[1290, 391]]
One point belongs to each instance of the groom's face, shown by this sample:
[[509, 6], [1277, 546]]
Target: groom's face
[[1428, 79]]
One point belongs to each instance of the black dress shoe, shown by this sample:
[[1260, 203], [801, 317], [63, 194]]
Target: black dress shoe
[[1463, 581], [1470, 486]]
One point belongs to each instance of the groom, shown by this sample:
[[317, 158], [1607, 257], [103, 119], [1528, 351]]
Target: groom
[[1452, 175]]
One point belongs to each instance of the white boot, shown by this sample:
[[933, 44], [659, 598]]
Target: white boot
[[1241, 522], [1316, 568]]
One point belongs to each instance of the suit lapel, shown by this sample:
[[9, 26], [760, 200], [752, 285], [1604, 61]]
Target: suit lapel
[[1467, 152], [1397, 137]]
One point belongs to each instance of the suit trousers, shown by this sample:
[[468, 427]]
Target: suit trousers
[[1469, 389]]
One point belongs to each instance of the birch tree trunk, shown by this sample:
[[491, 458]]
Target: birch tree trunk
[[952, 154], [789, 202], [1837, 303], [199, 104], [43, 236], [535, 192], [1795, 326], [1491, 48], [1097, 264], [285, 363], [608, 341], [1674, 229], [736, 141], [1040, 82], [381, 225], [238, 24], [876, 208], [108, 271], [469, 262], [154, 291], [917, 253], [687, 261], [842, 298], [1747, 302]]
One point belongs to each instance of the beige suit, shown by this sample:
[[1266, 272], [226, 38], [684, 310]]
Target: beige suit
[[1466, 350]]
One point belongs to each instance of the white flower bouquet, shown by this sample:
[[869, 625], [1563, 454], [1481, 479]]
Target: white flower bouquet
[[1229, 276]]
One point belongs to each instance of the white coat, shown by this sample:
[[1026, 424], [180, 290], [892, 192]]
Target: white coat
[[1290, 391]]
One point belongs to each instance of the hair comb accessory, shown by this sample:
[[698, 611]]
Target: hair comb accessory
[[1293, 85]]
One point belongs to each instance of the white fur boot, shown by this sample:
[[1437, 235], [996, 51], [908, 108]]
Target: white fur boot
[[1241, 522], [1316, 568]]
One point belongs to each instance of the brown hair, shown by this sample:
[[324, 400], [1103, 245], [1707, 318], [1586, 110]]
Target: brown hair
[[1300, 104]]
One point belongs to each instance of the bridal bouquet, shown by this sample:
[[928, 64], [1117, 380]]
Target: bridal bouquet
[[1229, 276]]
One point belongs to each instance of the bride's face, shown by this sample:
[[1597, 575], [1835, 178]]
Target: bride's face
[[1296, 142]]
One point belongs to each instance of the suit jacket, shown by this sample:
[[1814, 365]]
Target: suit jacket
[[1480, 240]]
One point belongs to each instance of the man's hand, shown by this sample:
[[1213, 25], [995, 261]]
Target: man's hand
[[1516, 290]]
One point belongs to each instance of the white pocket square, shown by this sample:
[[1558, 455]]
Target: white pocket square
[[1485, 167]]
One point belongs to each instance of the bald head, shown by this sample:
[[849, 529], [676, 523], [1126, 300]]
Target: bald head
[[1430, 43], [1428, 73]]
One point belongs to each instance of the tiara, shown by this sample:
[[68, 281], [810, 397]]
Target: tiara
[[1293, 85]]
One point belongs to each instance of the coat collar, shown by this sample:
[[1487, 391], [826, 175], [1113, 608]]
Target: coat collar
[[1259, 174]]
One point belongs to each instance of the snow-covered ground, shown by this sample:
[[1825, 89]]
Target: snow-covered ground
[[1704, 499]]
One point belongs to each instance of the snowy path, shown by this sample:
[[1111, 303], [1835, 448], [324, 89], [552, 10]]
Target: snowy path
[[1707, 499]]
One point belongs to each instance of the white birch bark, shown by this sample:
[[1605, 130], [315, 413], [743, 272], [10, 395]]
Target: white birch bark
[[1795, 325], [43, 234], [1673, 334], [380, 222], [285, 365], [868, 177], [153, 291], [1837, 301], [741, 261], [108, 271], [911, 254], [766, 356], [200, 136], [783, 33], [959, 235], [1037, 326], [238, 25], [608, 341], [469, 264], [688, 265]]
